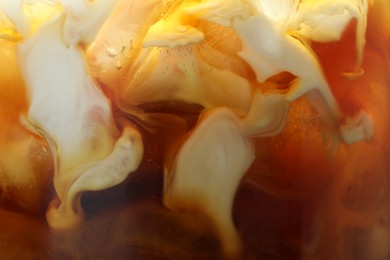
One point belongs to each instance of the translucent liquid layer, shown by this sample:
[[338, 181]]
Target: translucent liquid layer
[[306, 194]]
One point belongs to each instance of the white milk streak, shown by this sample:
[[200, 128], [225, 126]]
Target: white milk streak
[[70, 111]]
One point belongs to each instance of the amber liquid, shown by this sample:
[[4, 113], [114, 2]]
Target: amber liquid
[[305, 196]]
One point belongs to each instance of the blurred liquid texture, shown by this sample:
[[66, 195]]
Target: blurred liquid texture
[[305, 196]]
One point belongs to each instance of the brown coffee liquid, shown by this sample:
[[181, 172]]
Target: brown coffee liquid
[[306, 196]]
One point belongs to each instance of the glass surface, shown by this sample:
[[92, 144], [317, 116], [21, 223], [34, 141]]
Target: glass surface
[[214, 161]]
